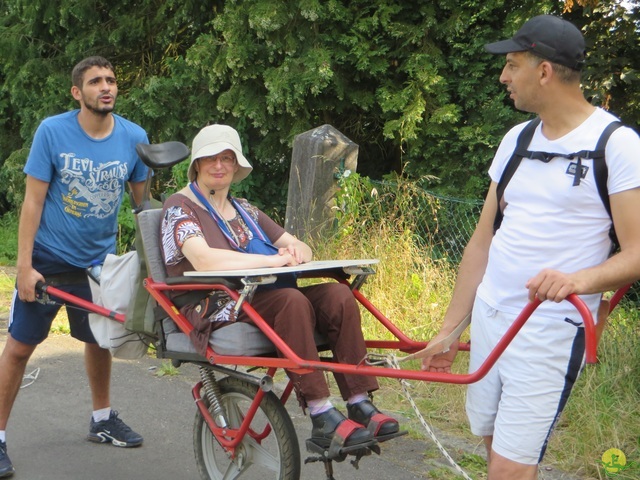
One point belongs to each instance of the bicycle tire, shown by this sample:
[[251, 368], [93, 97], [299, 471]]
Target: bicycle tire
[[275, 457]]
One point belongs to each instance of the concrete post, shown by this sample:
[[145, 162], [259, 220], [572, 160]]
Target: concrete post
[[318, 156]]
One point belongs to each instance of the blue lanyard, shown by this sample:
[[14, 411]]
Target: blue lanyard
[[253, 226]]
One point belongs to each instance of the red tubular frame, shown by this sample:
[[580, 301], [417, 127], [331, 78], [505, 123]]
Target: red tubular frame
[[230, 438], [291, 361], [617, 296], [79, 302]]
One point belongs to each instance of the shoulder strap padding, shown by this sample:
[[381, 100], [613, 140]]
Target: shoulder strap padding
[[601, 174], [522, 144], [600, 170]]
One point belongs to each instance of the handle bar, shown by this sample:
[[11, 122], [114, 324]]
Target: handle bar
[[45, 289], [591, 342]]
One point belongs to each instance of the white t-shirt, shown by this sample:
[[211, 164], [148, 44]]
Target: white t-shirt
[[548, 222]]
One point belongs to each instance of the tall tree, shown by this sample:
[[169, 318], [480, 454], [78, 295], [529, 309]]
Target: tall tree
[[41, 41], [408, 81]]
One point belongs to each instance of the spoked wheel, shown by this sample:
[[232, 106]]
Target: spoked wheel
[[276, 456]]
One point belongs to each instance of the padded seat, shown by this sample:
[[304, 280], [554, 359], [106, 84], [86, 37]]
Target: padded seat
[[236, 339]]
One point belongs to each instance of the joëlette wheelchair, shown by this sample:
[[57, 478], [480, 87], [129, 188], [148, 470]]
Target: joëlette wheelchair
[[241, 427]]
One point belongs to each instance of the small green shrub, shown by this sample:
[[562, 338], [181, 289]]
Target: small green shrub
[[9, 238]]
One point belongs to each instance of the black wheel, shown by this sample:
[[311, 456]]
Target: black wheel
[[277, 456]]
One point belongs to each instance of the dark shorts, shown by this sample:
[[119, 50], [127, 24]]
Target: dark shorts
[[30, 322]]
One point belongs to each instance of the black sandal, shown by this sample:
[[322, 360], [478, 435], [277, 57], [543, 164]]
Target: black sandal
[[383, 427], [332, 431]]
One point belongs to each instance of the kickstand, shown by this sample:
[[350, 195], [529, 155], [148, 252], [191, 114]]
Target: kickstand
[[356, 462], [328, 465]]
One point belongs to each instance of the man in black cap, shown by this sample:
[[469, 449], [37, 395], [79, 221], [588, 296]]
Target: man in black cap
[[553, 241]]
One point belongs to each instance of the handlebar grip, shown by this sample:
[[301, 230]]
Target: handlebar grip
[[40, 286], [591, 340]]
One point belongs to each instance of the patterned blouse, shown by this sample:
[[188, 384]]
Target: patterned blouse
[[184, 219]]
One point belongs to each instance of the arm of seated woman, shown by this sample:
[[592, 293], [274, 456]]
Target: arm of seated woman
[[300, 251], [203, 257]]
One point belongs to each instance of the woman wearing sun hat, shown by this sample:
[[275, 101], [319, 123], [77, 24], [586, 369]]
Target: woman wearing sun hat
[[204, 228]]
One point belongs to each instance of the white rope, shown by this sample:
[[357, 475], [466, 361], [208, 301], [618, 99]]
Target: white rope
[[393, 362], [29, 378]]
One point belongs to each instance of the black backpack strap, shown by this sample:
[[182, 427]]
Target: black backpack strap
[[601, 175], [524, 139], [600, 170]]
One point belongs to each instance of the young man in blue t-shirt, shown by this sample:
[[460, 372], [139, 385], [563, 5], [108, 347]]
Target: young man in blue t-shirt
[[76, 174]]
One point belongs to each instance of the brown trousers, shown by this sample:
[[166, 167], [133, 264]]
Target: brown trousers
[[332, 310]]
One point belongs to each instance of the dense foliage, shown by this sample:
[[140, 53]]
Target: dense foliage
[[408, 81]]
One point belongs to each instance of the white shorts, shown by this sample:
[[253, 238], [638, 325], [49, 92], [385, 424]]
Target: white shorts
[[519, 401]]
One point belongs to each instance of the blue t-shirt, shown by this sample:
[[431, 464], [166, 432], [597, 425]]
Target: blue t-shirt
[[86, 184]]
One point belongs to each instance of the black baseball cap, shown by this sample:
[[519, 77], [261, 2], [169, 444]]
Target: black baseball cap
[[549, 37]]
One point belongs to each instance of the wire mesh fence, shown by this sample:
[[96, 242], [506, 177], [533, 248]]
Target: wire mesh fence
[[442, 225]]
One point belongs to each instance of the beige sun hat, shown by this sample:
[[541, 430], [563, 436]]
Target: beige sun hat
[[214, 139]]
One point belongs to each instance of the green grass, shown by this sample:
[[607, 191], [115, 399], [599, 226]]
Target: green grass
[[60, 325], [6, 291], [166, 368]]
